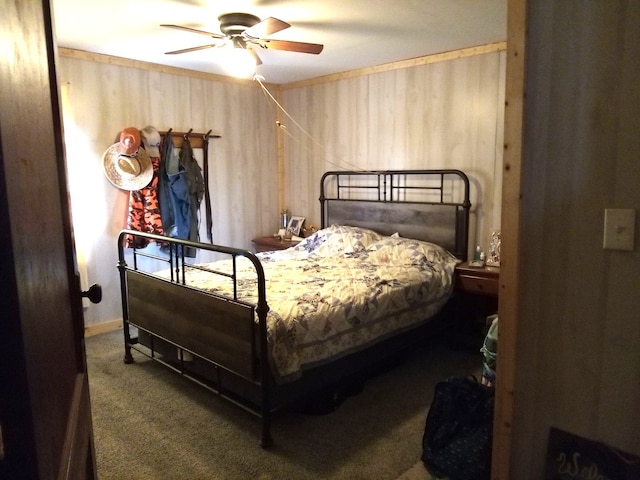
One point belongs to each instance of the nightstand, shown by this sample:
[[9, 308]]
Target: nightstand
[[475, 297], [269, 244], [477, 280]]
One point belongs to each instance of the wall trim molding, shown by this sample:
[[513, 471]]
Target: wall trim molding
[[152, 67], [412, 62], [509, 304]]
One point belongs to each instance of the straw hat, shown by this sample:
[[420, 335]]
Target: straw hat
[[126, 165]]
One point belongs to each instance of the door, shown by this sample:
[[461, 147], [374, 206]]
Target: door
[[45, 414]]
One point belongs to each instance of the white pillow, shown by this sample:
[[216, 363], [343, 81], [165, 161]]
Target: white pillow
[[338, 240], [407, 251]]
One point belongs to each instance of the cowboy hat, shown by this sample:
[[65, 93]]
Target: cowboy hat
[[126, 165]]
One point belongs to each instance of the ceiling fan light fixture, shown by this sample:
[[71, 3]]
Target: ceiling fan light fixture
[[237, 61], [242, 34]]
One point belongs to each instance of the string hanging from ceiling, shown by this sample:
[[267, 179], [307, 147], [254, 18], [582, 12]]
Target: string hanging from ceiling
[[283, 128]]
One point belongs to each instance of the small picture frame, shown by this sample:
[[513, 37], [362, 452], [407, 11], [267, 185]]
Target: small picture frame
[[493, 259], [295, 225]]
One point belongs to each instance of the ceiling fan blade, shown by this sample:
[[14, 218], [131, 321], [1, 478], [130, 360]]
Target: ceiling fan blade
[[193, 30], [300, 47], [266, 27], [192, 49]]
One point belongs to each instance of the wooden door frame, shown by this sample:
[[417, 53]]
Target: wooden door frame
[[510, 239]]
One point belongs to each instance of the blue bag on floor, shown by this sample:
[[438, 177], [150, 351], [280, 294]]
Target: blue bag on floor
[[458, 432]]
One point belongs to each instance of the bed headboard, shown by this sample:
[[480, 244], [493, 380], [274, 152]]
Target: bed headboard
[[430, 205]]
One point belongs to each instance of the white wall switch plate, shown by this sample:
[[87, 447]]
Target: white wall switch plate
[[619, 228]]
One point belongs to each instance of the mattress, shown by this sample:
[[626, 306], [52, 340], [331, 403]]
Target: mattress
[[338, 291]]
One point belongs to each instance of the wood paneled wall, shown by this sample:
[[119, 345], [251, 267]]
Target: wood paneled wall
[[103, 97], [441, 113], [446, 114]]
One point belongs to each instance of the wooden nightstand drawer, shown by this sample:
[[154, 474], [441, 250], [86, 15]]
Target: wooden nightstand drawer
[[476, 297], [477, 284], [477, 281]]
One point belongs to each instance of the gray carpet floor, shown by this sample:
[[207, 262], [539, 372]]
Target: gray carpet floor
[[150, 423]]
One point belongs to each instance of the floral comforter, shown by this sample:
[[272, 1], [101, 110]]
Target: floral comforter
[[339, 290]]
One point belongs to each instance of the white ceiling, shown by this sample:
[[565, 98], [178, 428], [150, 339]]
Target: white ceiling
[[355, 33]]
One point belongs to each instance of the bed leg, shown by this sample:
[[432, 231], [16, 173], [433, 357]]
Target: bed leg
[[128, 358], [266, 441]]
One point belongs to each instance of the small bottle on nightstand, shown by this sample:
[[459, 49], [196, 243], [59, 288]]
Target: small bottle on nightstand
[[478, 258]]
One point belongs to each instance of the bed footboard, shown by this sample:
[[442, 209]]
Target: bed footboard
[[220, 331]]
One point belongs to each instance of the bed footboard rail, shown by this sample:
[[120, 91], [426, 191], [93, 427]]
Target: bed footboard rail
[[218, 328]]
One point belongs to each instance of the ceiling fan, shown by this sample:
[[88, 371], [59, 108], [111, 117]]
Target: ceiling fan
[[246, 31]]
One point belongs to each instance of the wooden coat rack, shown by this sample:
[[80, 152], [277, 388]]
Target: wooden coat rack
[[197, 139]]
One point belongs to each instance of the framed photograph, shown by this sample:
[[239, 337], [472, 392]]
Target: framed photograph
[[295, 225]]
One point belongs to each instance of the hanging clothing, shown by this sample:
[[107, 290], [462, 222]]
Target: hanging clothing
[[174, 192], [195, 183], [181, 188], [168, 160], [144, 210], [207, 196]]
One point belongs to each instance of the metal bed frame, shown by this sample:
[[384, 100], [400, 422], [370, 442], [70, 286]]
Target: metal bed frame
[[221, 342]]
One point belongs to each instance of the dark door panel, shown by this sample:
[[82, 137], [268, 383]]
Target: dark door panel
[[45, 412]]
